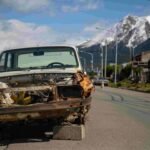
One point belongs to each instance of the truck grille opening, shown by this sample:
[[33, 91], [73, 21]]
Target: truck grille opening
[[70, 91]]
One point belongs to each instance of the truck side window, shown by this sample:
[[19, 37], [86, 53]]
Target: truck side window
[[2, 62], [9, 61]]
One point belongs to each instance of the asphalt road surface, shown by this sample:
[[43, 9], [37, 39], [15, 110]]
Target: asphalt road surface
[[118, 120]]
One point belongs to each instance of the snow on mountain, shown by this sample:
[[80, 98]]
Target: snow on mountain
[[132, 31], [148, 18]]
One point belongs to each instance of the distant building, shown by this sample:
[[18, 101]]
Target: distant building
[[111, 64], [123, 65], [141, 67]]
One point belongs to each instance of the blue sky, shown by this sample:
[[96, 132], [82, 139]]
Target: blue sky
[[65, 20]]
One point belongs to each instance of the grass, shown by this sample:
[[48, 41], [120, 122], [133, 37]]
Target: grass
[[143, 87]]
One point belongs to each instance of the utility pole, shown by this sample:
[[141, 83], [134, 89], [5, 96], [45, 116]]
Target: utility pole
[[105, 59], [92, 62], [102, 61], [84, 64], [132, 59], [133, 53], [116, 58]]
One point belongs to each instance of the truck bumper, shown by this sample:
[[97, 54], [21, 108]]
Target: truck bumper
[[51, 110]]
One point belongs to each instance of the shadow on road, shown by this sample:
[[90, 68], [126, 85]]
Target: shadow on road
[[24, 133]]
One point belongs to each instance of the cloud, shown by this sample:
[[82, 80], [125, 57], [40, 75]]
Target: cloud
[[96, 27], [15, 33], [75, 41], [67, 8], [139, 7], [82, 5], [51, 7], [90, 4], [25, 5]]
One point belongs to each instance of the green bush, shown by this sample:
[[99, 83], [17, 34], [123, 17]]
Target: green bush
[[119, 84]]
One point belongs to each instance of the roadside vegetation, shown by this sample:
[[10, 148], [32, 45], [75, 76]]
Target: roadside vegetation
[[124, 78], [127, 84]]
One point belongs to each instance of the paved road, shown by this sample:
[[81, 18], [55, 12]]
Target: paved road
[[119, 120]]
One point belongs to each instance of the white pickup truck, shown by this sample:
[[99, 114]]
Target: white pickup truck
[[43, 83]]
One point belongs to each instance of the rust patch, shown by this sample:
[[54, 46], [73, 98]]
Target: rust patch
[[85, 83], [42, 111]]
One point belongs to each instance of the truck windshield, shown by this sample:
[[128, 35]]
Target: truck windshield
[[36, 58]]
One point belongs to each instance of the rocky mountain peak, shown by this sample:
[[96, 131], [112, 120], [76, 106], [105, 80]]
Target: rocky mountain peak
[[132, 30]]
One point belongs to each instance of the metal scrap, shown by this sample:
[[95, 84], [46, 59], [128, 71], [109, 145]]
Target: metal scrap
[[5, 98], [85, 83]]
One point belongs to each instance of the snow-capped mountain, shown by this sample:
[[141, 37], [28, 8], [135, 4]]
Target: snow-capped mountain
[[132, 31]]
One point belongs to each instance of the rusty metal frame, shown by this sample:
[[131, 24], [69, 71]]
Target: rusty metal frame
[[53, 109]]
